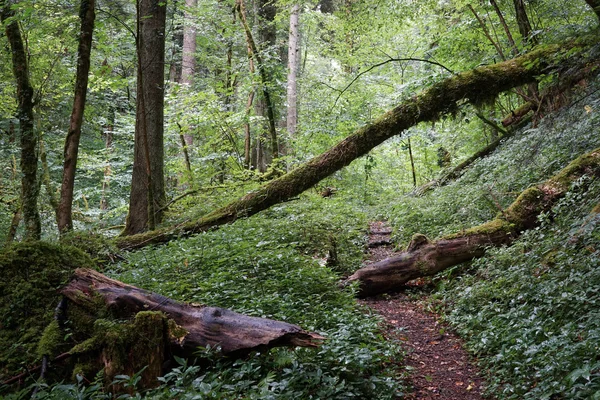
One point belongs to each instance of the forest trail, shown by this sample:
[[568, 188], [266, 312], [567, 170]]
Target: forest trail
[[439, 366]]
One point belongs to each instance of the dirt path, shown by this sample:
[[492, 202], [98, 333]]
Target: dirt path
[[441, 368]]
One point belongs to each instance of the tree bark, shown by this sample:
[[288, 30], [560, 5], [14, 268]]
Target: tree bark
[[441, 98], [147, 195], [188, 62], [425, 258], [29, 154], [595, 5], [64, 215], [197, 326], [523, 22], [293, 60]]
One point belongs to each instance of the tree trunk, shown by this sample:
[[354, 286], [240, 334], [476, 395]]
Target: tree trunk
[[425, 258], [509, 36], [293, 60], [523, 22], [147, 196], [486, 32], [196, 326], [188, 61], [595, 4], [108, 139], [29, 154], [441, 98], [267, 35], [64, 216]]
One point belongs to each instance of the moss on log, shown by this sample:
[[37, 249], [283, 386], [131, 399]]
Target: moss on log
[[429, 258], [477, 87]]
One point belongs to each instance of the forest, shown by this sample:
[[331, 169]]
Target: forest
[[300, 199]]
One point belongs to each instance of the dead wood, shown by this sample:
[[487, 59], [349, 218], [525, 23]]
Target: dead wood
[[196, 325], [477, 86], [426, 258]]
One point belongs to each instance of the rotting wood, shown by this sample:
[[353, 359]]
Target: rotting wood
[[197, 326], [442, 98], [426, 258]]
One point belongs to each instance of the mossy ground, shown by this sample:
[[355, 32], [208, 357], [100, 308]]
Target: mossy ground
[[32, 274]]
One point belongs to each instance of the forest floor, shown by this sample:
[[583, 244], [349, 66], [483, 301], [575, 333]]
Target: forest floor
[[439, 367]]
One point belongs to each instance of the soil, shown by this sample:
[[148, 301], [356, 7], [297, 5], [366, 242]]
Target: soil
[[439, 367]]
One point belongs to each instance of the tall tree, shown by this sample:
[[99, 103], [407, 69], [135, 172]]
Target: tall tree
[[147, 195], [293, 61], [29, 142], [266, 12], [87, 15], [188, 62], [267, 39]]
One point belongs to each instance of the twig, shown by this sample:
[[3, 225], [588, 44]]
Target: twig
[[372, 67]]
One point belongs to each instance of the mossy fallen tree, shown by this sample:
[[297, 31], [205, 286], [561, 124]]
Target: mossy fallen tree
[[132, 328], [426, 258], [477, 87]]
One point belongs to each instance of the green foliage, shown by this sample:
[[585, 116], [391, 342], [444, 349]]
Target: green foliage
[[531, 311], [491, 184], [274, 267]]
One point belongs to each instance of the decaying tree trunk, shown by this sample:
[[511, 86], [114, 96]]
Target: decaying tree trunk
[[445, 97], [425, 258], [192, 325]]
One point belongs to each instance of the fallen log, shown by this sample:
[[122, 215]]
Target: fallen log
[[132, 328], [477, 87], [198, 326], [426, 258]]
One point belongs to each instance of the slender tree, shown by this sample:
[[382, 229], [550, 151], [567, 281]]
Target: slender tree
[[64, 213], [188, 59], [147, 195], [29, 142], [267, 34], [523, 22], [293, 61]]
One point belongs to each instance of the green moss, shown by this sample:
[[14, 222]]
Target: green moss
[[492, 227], [576, 168], [87, 346], [98, 247], [51, 340], [525, 207], [32, 274], [175, 331]]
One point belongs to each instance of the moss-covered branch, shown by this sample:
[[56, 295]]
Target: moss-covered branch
[[477, 86], [425, 258]]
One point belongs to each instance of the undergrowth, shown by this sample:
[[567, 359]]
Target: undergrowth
[[491, 184], [530, 312], [279, 266]]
